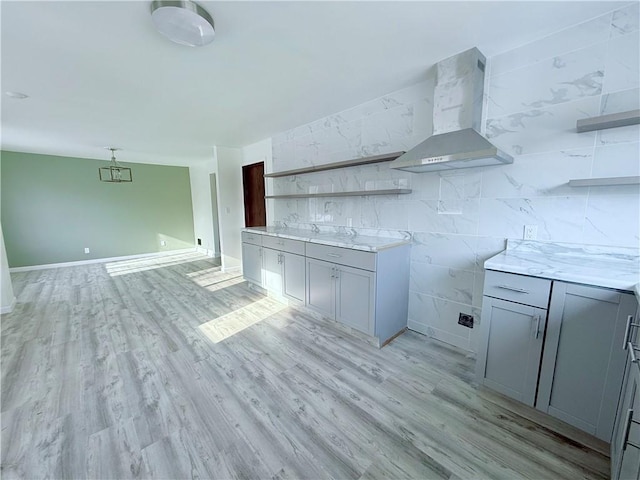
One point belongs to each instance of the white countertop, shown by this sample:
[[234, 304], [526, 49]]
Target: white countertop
[[610, 267], [355, 242]]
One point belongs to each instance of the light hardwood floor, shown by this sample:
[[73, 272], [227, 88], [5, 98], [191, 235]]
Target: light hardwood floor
[[168, 368]]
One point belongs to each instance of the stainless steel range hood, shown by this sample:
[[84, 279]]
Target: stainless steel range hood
[[457, 120]]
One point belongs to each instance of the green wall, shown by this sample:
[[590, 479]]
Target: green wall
[[53, 207]]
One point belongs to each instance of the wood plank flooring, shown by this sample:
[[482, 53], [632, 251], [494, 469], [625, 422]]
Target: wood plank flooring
[[168, 368]]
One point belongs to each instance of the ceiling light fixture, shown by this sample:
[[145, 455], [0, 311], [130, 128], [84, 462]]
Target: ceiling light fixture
[[183, 22], [114, 173], [16, 95]]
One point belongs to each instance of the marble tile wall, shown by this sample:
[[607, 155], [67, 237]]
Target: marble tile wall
[[458, 219]]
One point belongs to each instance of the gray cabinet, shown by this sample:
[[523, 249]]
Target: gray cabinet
[[342, 293], [293, 276], [252, 263], [321, 289], [556, 346], [512, 336], [365, 290], [583, 364], [625, 444], [272, 271], [284, 274]]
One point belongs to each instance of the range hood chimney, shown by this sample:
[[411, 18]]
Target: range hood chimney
[[457, 120]]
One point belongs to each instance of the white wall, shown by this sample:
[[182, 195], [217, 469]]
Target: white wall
[[201, 200], [460, 218], [230, 205], [7, 298]]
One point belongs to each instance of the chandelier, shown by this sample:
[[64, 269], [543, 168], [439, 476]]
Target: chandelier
[[114, 173]]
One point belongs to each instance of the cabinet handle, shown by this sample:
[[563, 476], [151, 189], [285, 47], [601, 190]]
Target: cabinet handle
[[632, 352], [627, 428], [281, 242], [337, 273], [513, 289], [279, 258], [627, 331], [334, 255], [333, 272], [537, 318]]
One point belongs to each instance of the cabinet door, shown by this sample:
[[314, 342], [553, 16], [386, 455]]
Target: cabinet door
[[272, 270], [630, 467], [355, 298], [511, 346], [252, 263], [625, 456], [293, 272], [583, 361], [321, 287]]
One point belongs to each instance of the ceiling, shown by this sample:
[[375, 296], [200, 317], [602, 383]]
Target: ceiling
[[98, 73]]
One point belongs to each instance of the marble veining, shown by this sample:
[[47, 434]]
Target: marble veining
[[611, 267], [534, 96], [348, 239]]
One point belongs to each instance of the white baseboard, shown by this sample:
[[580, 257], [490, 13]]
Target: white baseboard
[[231, 269], [208, 252], [8, 308], [100, 260]]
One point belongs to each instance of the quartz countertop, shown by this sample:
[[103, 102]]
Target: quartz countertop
[[355, 242], [610, 267]]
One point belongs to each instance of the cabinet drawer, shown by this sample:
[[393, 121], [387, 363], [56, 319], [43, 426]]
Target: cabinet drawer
[[343, 256], [517, 288], [252, 238], [283, 244]]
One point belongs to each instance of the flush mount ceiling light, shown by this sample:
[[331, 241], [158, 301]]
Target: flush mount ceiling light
[[183, 22], [114, 173], [16, 95]]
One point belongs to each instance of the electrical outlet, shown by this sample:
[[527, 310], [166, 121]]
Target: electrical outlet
[[86, 249], [199, 241], [530, 232], [465, 320], [163, 243]]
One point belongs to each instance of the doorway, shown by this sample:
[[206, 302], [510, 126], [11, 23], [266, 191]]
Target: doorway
[[214, 212], [255, 213]]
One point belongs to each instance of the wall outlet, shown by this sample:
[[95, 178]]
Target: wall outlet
[[163, 243], [199, 241], [465, 320], [86, 250], [530, 232]]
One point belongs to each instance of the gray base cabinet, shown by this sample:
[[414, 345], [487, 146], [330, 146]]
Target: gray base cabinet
[[321, 288], [284, 274], [556, 346], [364, 290], [342, 293], [252, 263], [625, 445], [583, 364], [512, 339]]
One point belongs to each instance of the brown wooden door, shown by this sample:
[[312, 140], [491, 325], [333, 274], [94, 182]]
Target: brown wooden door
[[255, 214]]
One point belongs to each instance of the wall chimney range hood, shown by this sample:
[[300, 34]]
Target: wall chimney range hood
[[457, 121]]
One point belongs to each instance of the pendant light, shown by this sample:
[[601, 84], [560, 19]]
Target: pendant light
[[184, 22], [114, 173]]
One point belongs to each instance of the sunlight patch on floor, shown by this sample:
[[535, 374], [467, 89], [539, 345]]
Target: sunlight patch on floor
[[124, 267], [228, 325]]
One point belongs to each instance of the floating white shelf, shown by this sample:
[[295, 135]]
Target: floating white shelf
[[358, 193], [387, 157], [604, 182], [622, 119]]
